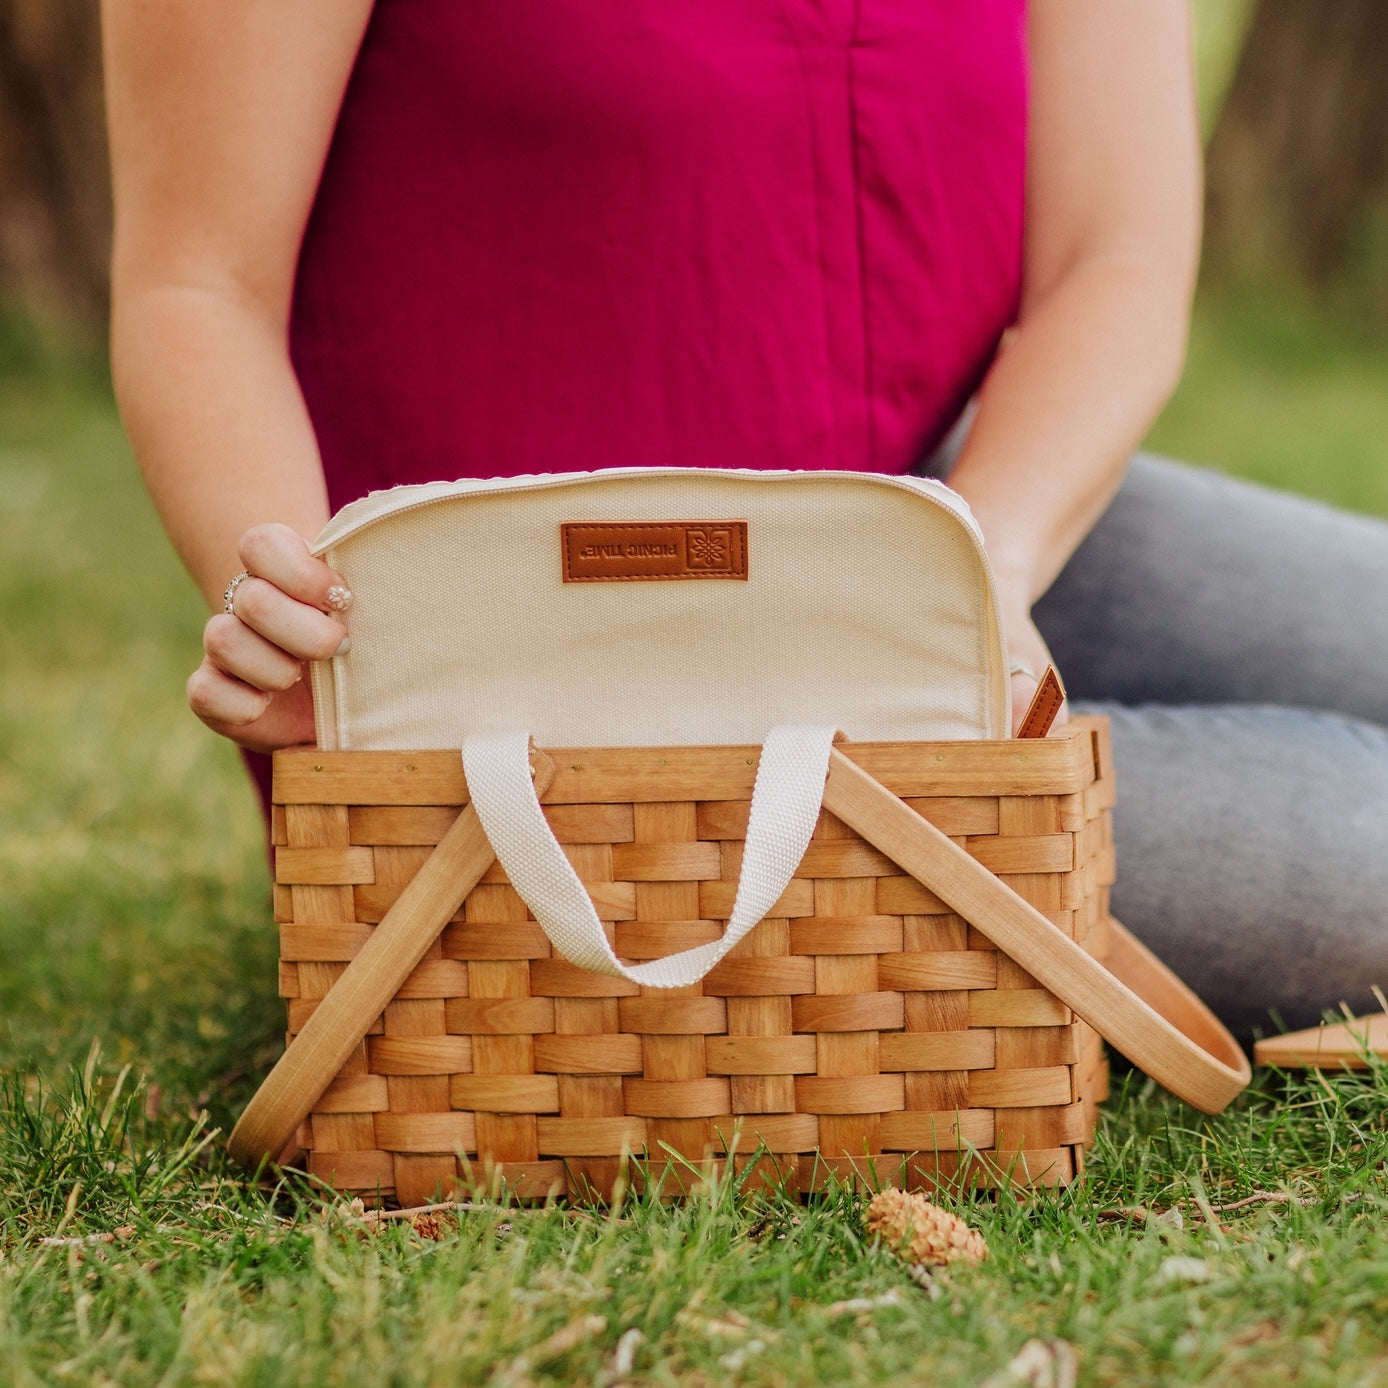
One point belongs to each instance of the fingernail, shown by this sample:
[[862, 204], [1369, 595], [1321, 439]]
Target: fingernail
[[344, 647], [338, 598]]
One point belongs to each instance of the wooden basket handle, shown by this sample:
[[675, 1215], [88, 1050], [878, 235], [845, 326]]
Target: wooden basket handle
[[312, 1060], [1136, 1004]]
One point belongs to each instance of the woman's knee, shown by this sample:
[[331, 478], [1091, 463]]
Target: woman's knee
[[1253, 855], [1199, 588]]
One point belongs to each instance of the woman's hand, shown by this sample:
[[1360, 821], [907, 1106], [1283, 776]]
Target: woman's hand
[[251, 685], [1027, 649]]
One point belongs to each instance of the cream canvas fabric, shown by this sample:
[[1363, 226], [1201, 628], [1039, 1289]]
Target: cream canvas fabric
[[867, 604]]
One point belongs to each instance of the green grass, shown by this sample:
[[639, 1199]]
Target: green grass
[[133, 912], [1277, 394], [1241, 1250], [132, 900]]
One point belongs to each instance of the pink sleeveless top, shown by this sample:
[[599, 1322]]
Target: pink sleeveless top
[[556, 235]]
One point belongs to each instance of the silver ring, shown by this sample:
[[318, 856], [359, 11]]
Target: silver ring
[[229, 597], [1017, 668]]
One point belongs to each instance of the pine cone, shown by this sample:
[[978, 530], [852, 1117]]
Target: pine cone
[[920, 1232], [427, 1226]]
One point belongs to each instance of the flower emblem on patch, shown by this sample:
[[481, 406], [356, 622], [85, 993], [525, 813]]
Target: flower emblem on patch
[[709, 548]]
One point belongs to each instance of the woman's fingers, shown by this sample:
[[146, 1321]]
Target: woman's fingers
[[265, 610], [285, 599], [281, 613], [1028, 658], [219, 698], [279, 555], [251, 717], [1023, 687], [234, 646]]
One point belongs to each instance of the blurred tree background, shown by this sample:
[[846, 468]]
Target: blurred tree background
[[55, 204], [1297, 167], [1296, 123]]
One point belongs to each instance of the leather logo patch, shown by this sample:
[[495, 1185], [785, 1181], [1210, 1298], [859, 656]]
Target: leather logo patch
[[637, 551]]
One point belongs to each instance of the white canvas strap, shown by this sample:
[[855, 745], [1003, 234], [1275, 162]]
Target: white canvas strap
[[786, 799]]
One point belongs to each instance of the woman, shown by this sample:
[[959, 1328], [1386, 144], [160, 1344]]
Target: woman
[[359, 245]]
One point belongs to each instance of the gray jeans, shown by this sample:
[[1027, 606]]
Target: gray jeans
[[1238, 639]]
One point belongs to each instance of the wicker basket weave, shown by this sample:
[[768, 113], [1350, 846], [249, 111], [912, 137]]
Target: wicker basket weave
[[862, 1030]]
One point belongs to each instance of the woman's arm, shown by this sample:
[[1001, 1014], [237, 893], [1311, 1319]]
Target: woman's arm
[[220, 118], [1113, 225]]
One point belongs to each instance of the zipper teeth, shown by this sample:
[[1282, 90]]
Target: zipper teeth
[[947, 502]]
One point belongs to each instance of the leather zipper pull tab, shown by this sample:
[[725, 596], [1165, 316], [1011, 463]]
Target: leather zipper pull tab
[[1044, 707]]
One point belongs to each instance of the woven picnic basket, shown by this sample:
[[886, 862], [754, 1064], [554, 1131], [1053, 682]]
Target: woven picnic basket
[[924, 1001]]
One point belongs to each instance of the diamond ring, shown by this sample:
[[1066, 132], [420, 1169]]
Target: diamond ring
[[229, 597]]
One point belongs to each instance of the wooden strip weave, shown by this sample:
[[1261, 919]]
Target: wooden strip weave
[[861, 1030]]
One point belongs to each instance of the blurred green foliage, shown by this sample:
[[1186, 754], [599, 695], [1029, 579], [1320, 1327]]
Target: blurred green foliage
[[1220, 26], [1279, 391]]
